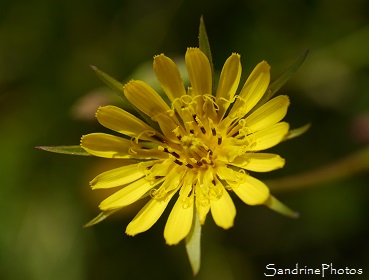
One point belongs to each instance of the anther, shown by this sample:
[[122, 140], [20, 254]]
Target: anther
[[166, 150], [178, 162], [189, 165], [213, 181], [234, 135], [192, 131], [213, 131], [219, 140], [199, 163], [156, 137], [175, 154], [194, 118], [203, 130]]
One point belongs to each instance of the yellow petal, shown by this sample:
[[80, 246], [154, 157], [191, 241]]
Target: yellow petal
[[252, 91], [259, 162], [268, 114], [223, 210], [202, 209], [169, 77], [127, 195], [148, 215], [252, 191], [199, 71], [231, 176], [173, 178], [228, 83], [145, 98], [179, 221], [110, 146], [106, 145], [167, 126], [117, 177], [123, 122], [269, 137]]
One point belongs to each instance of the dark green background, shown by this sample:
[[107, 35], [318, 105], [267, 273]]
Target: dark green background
[[48, 95]]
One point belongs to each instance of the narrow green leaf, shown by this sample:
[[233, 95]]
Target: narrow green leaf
[[112, 83], [99, 218], [193, 244], [285, 76], [279, 207], [75, 150], [280, 81], [204, 46], [297, 131], [117, 87]]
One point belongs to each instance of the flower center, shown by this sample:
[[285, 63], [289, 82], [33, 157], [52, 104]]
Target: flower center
[[198, 147]]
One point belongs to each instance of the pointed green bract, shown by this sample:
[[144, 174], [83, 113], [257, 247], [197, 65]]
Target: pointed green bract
[[117, 87], [75, 150], [279, 207], [99, 218], [193, 244], [281, 80], [297, 131], [112, 83], [285, 76], [204, 46]]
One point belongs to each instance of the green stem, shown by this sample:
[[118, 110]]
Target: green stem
[[343, 168]]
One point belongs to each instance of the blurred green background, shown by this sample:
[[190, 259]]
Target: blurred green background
[[48, 95]]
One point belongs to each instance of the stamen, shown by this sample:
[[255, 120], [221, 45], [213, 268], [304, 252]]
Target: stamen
[[175, 154], [234, 135], [178, 162], [156, 137], [190, 193]]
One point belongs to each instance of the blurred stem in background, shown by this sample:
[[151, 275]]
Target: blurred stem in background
[[342, 168]]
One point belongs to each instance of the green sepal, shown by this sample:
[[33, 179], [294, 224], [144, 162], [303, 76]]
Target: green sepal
[[285, 76], [112, 83], [281, 80], [297, 131], [99, 218], [204, 46], [74, 150], [279, 207], [193, 244], [117, 87]]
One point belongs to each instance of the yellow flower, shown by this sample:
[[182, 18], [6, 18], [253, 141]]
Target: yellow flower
[[206, 146]]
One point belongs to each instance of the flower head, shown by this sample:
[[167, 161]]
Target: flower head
[[205, 148]]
